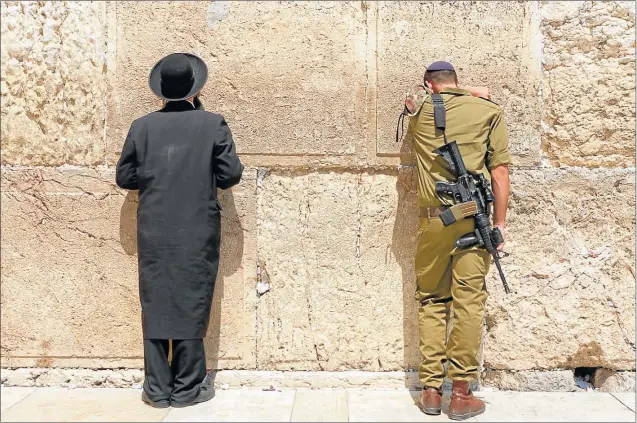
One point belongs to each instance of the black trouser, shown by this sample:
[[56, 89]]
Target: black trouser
[[180, 380]]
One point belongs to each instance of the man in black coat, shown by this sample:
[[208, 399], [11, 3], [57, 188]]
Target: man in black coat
[[177, 157]]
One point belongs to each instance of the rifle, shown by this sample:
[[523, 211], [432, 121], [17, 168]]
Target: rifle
[[471, 193]]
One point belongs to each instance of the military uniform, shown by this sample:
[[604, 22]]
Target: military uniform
[[448, 276]]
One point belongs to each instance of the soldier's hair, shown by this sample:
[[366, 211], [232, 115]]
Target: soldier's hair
[[441, 76]]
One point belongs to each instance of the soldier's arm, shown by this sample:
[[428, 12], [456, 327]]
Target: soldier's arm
[[483, 92], [500, 183], [498, 160]]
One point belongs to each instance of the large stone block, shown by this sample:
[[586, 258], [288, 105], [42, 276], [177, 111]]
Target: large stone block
[[53, 84], [609, 381], [338, 263], [490, 44], [73, 378], [288, 76], [572, 240], [69, 287], [548, 381], [69, 273], [337, 252], [589, 82]]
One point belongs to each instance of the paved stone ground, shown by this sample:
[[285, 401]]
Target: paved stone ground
[[337, 405]]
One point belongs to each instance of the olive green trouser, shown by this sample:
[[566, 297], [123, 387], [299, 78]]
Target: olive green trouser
[[446, 276]]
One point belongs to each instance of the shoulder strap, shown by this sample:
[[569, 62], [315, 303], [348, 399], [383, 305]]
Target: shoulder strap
[[489, 100], [440, 114], [401, 126]]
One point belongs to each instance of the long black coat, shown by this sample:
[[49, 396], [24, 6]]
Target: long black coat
[[177, 158]]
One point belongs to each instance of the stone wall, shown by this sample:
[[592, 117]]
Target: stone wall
[[318, 239]]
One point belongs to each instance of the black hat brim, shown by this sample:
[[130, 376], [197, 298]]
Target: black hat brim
[[200, 71]]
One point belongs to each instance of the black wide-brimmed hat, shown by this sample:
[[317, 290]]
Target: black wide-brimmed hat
[[178, 76]]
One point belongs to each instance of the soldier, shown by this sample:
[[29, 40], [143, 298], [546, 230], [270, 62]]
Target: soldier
[[177, 157], [446, 275]]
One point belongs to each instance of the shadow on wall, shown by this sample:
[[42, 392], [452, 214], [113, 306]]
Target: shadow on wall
[[403, 249], [229, 262], [128, 223]]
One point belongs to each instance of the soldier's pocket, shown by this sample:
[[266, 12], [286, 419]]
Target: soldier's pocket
[[423, 239], [422, 228], [424, 246]]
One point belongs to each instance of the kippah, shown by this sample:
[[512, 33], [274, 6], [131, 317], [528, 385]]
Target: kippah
[[440, 66]]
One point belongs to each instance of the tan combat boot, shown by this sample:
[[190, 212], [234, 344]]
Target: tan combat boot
[[430, 401], [463, 404]]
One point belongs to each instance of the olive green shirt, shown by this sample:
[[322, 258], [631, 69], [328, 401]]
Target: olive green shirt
[[476, 124]]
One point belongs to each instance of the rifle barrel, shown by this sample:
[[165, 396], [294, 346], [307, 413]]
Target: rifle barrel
[[496, 259]]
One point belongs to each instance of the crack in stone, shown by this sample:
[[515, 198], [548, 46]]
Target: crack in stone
[[359, 227], [261, 175], [619, 324], [305, 215]]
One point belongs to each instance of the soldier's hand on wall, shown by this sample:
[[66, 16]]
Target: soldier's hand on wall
[[484, 92]]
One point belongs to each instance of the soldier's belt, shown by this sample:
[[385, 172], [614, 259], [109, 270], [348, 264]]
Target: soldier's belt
[[449, 215]]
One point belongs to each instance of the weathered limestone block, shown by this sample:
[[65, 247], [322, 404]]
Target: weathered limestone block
[[315, 380], [589, 83], [53, 84], [337, 251], [69, 272], [288, 76], [489, 43], [69, 289], [73, 378], [336, 269], [609, 381], [572, 240], [223, 379], [549, 381]]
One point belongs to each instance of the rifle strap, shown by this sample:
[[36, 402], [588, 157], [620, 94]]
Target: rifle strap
[[440, 114], [401, 126]]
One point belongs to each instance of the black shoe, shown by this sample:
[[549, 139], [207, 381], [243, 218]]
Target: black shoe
[[155, 404], [206, 393]]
